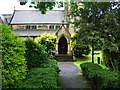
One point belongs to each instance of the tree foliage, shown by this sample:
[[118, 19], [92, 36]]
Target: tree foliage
[[87, 20], [111, 38], [78, 49], [13, 60], [98, 24], [42, 6]]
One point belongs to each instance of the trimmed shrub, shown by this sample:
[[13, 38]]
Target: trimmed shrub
[[42, 78], [13, 60], [88, 66], [49, 41], [52, 64], [100, 78], [35, 54]]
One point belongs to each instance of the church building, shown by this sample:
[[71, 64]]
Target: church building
[[32, 23]]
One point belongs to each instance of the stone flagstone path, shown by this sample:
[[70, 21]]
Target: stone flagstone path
[[70, 77]]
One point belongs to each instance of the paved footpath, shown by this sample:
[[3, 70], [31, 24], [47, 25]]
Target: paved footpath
[[70, 77]]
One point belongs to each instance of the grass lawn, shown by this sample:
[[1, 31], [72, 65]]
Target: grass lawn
[[88, 58]]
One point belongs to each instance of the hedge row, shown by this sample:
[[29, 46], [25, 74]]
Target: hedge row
[[35, 54], [52, 64], [13, 60], [100, 78], [16, 54], [43, 78], [49, 41]]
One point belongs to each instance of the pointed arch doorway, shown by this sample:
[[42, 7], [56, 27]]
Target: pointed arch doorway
[[62, 46]]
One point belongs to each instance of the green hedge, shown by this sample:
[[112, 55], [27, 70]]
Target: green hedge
[[35, 54], [43, 78], [49, 41], [100, 78], [52, 64], [13, 60]]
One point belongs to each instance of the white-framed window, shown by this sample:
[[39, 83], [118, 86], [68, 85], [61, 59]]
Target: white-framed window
[[43, 27], [39, 26], [57, 27], [33, 27], [51, 27], [27, 27]]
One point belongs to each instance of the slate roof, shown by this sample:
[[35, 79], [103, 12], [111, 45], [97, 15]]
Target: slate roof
[[34, 32], [6, 18], [1, 21], [35, 17]]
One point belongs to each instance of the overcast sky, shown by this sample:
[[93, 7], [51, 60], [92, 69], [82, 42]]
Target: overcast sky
[[7, 6]]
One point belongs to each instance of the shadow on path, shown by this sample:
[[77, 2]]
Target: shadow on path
[[70, 76]]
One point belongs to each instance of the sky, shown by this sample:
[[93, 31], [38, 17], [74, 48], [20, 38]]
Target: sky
[[7, 6]]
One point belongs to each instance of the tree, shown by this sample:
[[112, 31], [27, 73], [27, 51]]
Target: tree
[[78, 49], [42, 6], [111, 48], [87, 20]]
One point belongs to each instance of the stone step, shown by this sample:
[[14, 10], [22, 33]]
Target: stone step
[[64, 58]]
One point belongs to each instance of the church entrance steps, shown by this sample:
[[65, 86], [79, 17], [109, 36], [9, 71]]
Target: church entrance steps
[[64, 58]]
